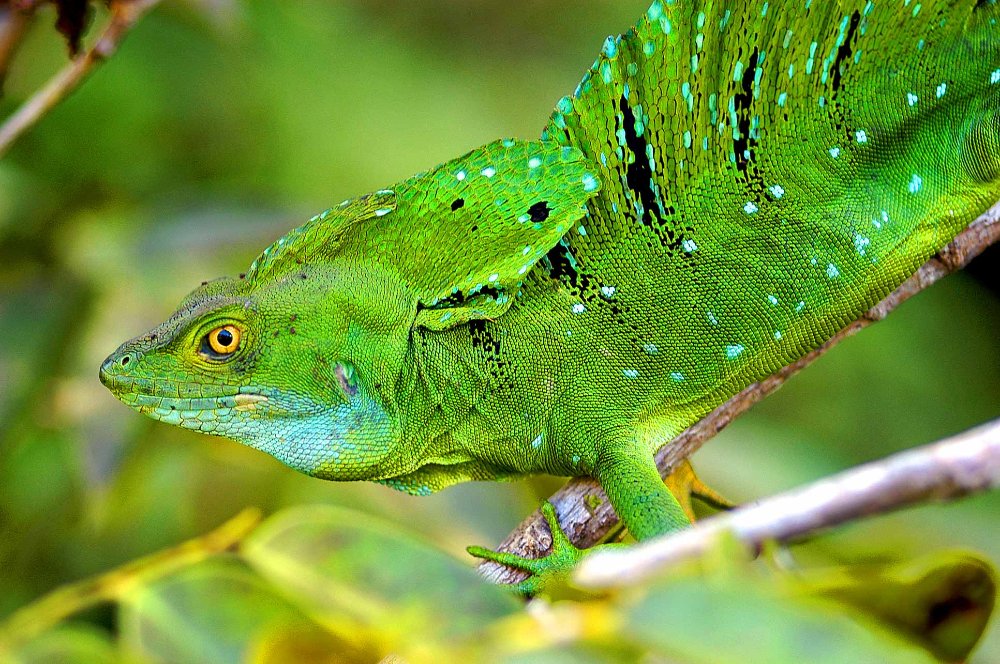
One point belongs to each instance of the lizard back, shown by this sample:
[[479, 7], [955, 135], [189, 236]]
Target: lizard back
[[770, 171]]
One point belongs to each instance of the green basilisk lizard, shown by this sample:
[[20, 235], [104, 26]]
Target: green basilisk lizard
[[729, 185]]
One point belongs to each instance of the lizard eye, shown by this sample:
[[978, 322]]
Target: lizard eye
[[224, 340]]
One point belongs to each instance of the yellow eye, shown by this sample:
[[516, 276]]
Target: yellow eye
[[224, 340]]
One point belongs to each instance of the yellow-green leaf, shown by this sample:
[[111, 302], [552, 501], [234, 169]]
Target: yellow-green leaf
[[349, 566]]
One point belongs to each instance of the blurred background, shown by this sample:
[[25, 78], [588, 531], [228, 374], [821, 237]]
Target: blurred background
[[221, 125]]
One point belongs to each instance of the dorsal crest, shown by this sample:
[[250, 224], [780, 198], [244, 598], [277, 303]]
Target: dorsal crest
[[462, 236], [322, 234]]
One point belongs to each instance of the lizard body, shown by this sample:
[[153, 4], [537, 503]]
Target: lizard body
[[729, 185]]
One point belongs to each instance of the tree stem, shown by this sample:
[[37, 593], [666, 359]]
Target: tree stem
[[955, 467], [124, 15]]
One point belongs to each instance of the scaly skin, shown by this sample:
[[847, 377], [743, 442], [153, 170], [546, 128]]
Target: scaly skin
[[729, 185]]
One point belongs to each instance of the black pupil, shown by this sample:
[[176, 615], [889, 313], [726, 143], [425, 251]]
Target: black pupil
[[224, 337]]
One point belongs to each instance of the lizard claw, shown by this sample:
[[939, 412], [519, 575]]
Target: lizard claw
[[553, 568]]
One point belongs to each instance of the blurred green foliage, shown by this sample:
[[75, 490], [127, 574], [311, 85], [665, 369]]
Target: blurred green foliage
[[220, 125]]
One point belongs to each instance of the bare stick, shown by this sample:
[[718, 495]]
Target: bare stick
[[955, 467], [124, 15], [64, 601], [14, 21], [584, 512]]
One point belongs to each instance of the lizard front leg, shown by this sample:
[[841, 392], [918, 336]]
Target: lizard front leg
[[640, 498]]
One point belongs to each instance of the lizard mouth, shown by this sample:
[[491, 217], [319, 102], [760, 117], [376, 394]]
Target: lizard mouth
[[205, 414], [175, 401]]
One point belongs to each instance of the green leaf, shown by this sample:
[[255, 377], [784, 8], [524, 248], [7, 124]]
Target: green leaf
[[942, 601], [68, 644], [218, 612], [348, 566], [733, 616]]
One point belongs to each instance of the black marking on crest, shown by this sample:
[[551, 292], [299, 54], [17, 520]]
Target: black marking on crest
[[744, 145], [458, 299], [639, 178], [638, 175], [457, 203], [563, 266], [845, 51], [539, 211]]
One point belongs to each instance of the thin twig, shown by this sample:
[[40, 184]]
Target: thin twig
[[124, 15], [584, 512], [31, 620], [957, 466], [14, 21]]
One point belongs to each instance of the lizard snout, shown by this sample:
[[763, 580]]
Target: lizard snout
[[115, 367]]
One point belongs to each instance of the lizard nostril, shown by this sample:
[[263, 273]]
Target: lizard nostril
[[125, 360]]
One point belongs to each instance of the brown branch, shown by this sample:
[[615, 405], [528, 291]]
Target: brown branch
[[14, 21], [584, 511], [33, 619], [955, 467], [124, 15]]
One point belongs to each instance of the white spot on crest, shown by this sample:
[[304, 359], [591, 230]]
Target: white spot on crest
[[861, 243], [460, 176], [734, 350], [494, 277], [381, 212], [489, 171], [534, 162]]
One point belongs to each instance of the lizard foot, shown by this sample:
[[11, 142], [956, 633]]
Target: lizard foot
[[553, 568]]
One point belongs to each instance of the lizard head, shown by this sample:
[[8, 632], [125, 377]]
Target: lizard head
[[309, 356], [278, 365]]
